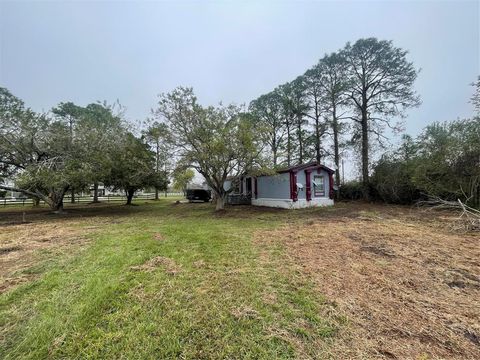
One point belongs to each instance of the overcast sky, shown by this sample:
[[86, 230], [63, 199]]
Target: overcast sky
[[227, 50]]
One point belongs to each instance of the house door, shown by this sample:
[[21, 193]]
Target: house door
[[248, 185]]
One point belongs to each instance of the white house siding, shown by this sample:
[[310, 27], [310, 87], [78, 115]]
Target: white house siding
[[290, 204]]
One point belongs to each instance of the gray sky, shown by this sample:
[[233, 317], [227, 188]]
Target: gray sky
[[229, 51]]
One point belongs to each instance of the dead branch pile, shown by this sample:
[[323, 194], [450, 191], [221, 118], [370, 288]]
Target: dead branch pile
[[468, 220]]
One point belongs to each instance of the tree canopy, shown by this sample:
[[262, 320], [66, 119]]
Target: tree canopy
[[216, 141], [45, 155]]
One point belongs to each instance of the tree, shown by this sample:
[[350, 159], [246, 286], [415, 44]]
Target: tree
[[216, 141], [314, 95], [99, 130], [182, 178], [393, 174], [267, 109], [289, 114], [449, 165], [133, 167], [158, 137], [70, 113], [34, 152], [475, 99], [333, 86], [299, 107], [380, 88], [443, 161]]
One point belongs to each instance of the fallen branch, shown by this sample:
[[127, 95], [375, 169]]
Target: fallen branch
[[469, 218]]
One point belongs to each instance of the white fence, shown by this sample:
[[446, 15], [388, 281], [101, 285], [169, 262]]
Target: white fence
[[86, 199]]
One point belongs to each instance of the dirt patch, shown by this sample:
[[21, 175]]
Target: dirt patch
[[245, 313], [378, 249], [409, 288], [158, 236], [199, 264], [170, 266], [24, 247], [6, 250]]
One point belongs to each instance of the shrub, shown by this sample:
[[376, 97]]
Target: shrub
[[351, 190]]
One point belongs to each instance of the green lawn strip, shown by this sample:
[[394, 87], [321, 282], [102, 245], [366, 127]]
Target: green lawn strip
[[213, 306]]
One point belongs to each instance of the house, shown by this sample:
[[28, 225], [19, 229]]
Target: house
[[296, 187]]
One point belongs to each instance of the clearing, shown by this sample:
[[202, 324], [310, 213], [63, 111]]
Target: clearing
[[162, 280]]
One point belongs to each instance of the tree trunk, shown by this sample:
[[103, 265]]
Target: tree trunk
[[317, 141], [220, 202], [55, 201], [336, 147], [157, 163], [95, 192], [72, 198], [289, 160], [59, 206], [36, 201], [274, 149], [365, 159], [130, 193], [300, 139], [317, 130]]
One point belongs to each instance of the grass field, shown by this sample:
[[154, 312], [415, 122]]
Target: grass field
[[164, 280]]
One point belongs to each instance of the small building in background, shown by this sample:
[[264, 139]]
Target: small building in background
[[296, 187]]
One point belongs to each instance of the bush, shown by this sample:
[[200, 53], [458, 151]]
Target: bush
[[392, 181], [351, 190]]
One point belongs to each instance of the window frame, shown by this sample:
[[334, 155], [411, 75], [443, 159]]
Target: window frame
[[317, 190]]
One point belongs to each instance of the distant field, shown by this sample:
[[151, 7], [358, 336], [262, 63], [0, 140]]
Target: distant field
[[165, 280]]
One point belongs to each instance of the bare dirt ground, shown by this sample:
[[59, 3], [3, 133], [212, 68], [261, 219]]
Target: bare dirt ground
[[409, 287]]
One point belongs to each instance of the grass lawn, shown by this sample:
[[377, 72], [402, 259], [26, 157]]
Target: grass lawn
[[163, 280], [157, 281]]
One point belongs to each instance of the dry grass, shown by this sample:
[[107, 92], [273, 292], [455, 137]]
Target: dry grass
[[171, 268], [23, 247], [409, 288], [31, 238]]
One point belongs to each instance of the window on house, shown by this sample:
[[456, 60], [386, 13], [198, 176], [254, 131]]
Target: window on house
[[319, 185]]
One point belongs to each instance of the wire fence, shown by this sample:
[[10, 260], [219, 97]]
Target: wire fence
[[86, 199]]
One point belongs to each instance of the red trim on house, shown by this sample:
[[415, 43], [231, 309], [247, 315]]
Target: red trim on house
[[256, 188], [293, 186], [308, 185]]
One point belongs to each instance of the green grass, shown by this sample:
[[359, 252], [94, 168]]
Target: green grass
[[231, 297]]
